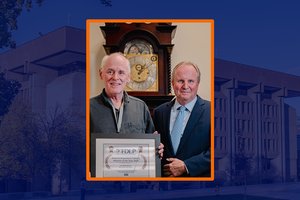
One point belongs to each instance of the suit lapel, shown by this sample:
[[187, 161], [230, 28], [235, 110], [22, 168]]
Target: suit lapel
[[193, 120], [166, 117]]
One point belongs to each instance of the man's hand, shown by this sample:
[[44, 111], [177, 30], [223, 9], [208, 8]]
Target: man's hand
[[160, 149], [176, 167]]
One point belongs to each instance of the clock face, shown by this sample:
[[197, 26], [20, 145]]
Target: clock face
[[144, 73], [137, 47]]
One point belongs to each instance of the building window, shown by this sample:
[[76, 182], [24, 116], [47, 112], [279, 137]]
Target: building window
[[248, 128], [249, 108], [221, 142], [248, 144], [244, 107], [216, 100], [216, 121]]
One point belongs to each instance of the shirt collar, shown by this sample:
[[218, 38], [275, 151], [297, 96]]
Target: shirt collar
[[189, 106], [107, 99]]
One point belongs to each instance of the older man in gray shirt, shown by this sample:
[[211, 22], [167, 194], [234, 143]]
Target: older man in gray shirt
[[114, 111]]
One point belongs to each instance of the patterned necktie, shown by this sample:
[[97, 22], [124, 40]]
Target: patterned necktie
[[177, 129]]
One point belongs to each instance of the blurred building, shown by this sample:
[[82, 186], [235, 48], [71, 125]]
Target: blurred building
[[51, 69], [298, 147], [255, 131]]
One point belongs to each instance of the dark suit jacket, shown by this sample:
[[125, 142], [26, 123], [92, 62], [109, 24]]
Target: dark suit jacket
[[194, 147]]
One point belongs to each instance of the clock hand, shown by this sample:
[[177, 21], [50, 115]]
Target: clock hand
[[142, 69]]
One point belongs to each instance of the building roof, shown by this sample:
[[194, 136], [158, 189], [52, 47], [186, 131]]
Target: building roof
[[250, 76], [54, 50]]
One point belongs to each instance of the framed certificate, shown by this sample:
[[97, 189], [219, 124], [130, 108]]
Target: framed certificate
[[125, 155]]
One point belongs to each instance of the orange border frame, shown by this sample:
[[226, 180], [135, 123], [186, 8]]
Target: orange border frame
[[88, 177]]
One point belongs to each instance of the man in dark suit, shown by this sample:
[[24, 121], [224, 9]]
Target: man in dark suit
[[187, 141]]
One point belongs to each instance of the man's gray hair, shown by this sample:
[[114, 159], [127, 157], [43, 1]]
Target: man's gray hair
[[105, 58]]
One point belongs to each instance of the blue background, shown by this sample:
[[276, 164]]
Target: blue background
[[264, 34]]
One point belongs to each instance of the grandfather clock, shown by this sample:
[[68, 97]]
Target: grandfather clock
[[148, 47]]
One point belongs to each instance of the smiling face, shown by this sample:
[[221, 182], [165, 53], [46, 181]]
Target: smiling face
[[115, 73], [185, 82]]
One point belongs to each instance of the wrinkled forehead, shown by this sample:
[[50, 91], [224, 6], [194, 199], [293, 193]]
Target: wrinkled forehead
[[117, 63], [186, 69]]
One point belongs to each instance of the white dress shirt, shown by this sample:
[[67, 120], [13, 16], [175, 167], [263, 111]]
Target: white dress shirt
[[188, 111]]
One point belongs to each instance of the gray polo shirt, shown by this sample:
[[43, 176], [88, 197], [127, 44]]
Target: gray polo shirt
[[136, 117]]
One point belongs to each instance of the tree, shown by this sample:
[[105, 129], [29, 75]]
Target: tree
[[33, 146], [8, 90], [243, 162], [20, 144], [63, 143], [107, 3], [10, 10]]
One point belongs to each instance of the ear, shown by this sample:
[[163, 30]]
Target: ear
[[100, 74], [172, 82]]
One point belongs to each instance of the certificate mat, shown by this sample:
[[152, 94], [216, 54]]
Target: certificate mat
[[125, 155]]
